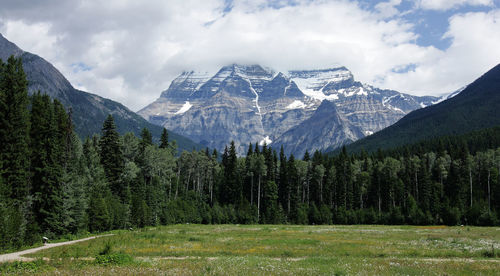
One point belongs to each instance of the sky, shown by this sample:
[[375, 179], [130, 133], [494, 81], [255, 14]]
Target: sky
[[130, 51]]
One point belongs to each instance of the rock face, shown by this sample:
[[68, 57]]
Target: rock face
[[302, 110], [88, 110], [325, 127]]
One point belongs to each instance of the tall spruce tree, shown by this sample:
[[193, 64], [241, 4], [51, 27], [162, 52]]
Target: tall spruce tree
[[231, 190], [14, 155], [14, 129], [112, 158], [46, 161], [164, 139]]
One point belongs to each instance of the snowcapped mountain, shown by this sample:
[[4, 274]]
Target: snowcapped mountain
[[251, 103]]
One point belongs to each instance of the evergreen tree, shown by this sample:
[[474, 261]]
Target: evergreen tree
[[164, 139], [283, 183], [14, 130], [112, 159], [46, 158], [294, 187], [146, 140], [99, 217], [231, 190]]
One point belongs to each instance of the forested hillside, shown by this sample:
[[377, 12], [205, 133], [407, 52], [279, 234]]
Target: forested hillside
[[475, 108], [87, 110], [52, 184]]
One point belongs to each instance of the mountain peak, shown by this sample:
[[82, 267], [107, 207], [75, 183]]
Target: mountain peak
[[248, 71], [8, 48], [245, 103], [493, 75], [322, 83]]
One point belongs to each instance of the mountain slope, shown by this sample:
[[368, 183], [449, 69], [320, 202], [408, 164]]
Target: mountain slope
[[88, 110], [476, 107], [250, 103], [326, 127]]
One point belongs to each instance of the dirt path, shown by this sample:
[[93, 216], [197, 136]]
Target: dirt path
[[17, 256]]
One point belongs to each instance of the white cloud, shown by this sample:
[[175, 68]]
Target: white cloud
[[450, 4], [388, 9], [35, 37], [132, 51], [473, 51]]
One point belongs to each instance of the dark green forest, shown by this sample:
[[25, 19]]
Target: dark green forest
[[53, 184]]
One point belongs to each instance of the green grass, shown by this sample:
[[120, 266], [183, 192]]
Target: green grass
[[279, 250]]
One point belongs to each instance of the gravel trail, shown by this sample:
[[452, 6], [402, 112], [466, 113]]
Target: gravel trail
[[18, 256]]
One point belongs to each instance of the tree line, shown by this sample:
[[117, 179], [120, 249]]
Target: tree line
[[53, 184]]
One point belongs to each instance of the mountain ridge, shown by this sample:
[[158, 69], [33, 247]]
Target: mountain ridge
[[474, 108], [88, 110], [251, 103]]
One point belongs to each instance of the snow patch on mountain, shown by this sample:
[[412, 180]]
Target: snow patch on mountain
[[296, 105], [266, 141], [385, 102], [312, 82], [256, 100], [450, 95], [184, 108], [360, 91]]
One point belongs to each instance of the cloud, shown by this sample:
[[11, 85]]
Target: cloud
[[388, 9], [129, 51], [473, 51], [443, 5]]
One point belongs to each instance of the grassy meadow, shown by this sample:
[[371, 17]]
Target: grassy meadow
[[276, 250]]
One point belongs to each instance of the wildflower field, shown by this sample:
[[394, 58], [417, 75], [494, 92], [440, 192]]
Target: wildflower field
[[275, 250]]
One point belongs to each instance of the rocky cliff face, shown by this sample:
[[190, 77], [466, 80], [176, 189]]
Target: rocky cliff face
[[250, 104]]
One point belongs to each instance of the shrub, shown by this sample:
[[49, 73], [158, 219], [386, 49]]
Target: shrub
[[19, 266], [451, 215], [114, 259], [108, 247], [302, 217]]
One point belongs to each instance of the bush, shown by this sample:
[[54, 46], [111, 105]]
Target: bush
[[396, 216], [19, 267], [218, 215], [487, 218], [302, 212], [314, 214], [114, 259], [108, 247], [368, 216], [325, 214], [451, 216], [472, 215], [490, 253]]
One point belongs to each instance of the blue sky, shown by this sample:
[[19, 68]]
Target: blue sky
[[432, 24], [130, 50]]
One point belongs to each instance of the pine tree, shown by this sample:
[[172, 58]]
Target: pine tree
[[112, 158], [294, 187], [231, 190], [99, 217], [146, 140], [75, 201], [14, 129], [283, 184], [164, 139], [46, 159]]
